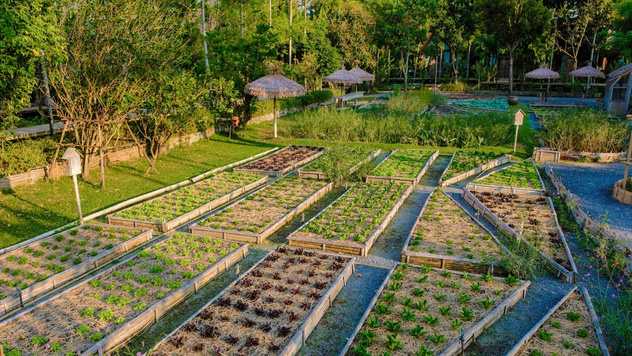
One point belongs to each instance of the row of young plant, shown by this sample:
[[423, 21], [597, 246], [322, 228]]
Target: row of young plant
[[421, 311], [355, 215], [519, 175], [445, 229], [403, 164], [78, 318], [170, 206], [260, 210], [53, 255], [282, 160], [338, 161], [261, 312], [466, 161]]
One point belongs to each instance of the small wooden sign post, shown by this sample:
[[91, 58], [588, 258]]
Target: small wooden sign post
[[518, 120], [73, 167]]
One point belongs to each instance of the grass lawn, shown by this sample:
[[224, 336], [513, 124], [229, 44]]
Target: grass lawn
[[34, 209]]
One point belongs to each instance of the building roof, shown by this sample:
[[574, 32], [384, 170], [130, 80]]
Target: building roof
[[618, 73]]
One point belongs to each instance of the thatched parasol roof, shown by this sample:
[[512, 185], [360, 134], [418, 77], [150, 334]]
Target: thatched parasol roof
[[543, 73], [364, 75], [587, 72], [274, 86], [343, 76]]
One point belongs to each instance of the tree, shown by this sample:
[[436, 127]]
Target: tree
[[514, 23], [573, 23], [455, 26], [29, 35], [115, 50], [622, 34]]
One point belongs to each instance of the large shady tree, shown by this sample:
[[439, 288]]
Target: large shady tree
[[513, 23]]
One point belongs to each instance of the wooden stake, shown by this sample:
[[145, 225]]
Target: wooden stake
[[101, 158]]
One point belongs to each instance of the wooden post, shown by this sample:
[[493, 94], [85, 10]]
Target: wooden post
[[274, 114], [629, 160], [49, 109]]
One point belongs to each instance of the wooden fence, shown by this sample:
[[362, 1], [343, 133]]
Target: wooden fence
[[173, 223], [478, 170], [348, 247], [543, 154], [55, 281], [286, 170], [558, 270], [412, 181], [112, 157], [258, 238], [451, 262], [303, 173], [516, 350]]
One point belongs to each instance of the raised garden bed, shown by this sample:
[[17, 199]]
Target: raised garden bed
[[543, 154], [348, 160], [530, 219], [283, 161], [271, 309], [445, 236], [623, 193], [403, 166], [499, 105], [259, 215], [570, 328], [421, 311], [47, 264], [166, 212], [116, 305], [353, 222], [467, 164], [520, 178]]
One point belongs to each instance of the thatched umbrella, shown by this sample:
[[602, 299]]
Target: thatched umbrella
[[587, 72], [343, 76], [364, 75], [274, 86], [543, 73]]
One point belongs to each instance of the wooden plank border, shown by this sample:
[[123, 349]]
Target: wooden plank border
[[318, 152], [135, 200], [412, 181], [135, 326], [523, 341], [303, 173], [150, 316], [558, 270], [348, 247], [186, 217], [56, 281], [310, 322], [472, 172], [367, 312], [470, 335], [245, 236], [450, 262]]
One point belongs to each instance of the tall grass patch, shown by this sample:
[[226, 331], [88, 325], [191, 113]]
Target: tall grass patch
[[584, 130], [379, 125], [411, 101]]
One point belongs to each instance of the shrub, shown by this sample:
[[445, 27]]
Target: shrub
[[20, 156], [584, 130]]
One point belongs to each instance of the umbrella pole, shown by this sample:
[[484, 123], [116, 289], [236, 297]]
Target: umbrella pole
[[274, 114]]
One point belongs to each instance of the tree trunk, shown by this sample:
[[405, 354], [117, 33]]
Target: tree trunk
[[406, 73], [511, 72], [270, 8], [469, 50], [49, 108], [290, 61], [241, 20]]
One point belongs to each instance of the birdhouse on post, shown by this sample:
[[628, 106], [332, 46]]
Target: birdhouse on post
[[73, 168], [518, 117], [518, 120], [73, 162]]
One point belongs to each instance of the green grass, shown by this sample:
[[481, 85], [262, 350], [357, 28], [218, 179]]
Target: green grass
[[34, 209]]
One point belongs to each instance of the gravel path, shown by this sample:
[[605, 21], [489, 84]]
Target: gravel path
[[338, 324], [592, 184]]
